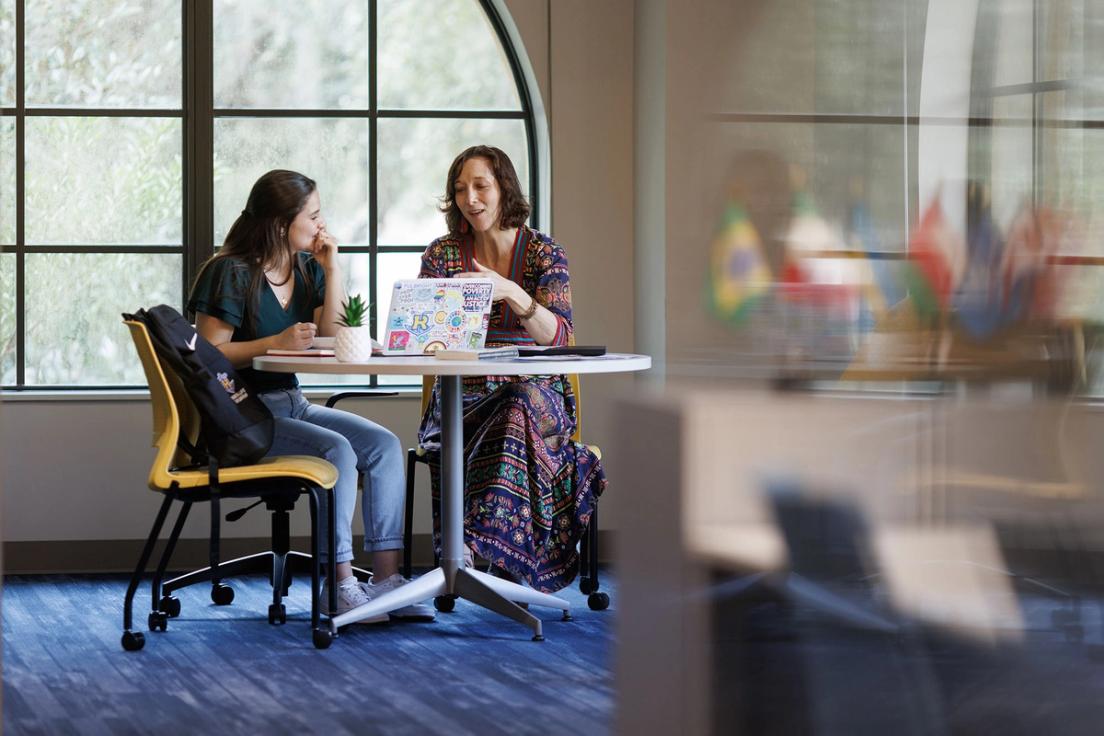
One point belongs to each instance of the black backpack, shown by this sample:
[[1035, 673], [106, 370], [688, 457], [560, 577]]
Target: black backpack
[[237, 426]]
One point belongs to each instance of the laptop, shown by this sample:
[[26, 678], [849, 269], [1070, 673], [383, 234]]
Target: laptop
[[433, 314]]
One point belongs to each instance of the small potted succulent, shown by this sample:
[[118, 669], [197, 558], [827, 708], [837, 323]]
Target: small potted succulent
[[353, 343]]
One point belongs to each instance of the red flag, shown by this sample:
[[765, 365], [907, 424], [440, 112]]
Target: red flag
[[1026, 277], [937, 259]]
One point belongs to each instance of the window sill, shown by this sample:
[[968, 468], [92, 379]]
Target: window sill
[[141, 394]]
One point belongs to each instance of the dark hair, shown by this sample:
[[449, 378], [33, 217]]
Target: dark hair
[[259, 235], [513, 208]]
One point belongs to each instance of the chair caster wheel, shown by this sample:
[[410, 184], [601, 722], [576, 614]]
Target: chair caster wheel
[[586, 586], [133, 640], [322, 638], [538, 637], [567, 616], [277, 614], [598, 601], [222, 595], [444, 603], [170, 605], [158, 621]]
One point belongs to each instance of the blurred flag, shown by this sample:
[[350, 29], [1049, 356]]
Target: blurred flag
[[810, 272], [884, 287], [738, 273], [935, 264], [978, 300], [1032, 238]]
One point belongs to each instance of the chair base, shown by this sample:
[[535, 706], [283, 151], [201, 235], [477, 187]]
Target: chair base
[[279, 564], [256, 564]]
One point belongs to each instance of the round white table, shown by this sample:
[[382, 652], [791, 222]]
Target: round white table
[[452, 578]]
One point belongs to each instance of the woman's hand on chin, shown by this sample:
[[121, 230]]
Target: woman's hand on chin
[[324, 250]]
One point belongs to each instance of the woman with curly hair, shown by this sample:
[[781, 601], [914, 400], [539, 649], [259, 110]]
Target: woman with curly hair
[[529, 490]]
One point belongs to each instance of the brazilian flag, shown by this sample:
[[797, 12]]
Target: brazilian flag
[[738, 273]]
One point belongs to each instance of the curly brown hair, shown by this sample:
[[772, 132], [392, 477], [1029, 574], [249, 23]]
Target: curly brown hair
[[514, 208]]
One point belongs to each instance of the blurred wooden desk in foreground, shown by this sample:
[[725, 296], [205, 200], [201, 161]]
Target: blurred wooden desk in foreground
[[921, 470]]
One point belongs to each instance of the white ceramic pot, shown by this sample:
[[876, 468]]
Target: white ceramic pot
[[353, 344]]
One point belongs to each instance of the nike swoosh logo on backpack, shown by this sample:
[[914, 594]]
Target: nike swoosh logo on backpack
[[192, 342]]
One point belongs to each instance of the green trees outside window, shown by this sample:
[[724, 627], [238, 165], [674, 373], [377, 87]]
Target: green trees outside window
[[130, 139]]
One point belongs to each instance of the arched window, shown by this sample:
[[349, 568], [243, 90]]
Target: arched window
[[133, 129]]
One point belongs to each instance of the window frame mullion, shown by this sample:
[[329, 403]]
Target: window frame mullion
[[525, 97], [20, 208], [373, 178], [198, 154]]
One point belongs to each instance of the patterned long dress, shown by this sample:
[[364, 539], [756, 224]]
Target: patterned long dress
[[528, 488]]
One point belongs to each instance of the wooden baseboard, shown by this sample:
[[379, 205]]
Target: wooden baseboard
[[106, 556]]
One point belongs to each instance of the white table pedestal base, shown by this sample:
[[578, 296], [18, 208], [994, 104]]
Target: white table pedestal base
[[495, 594], [452, 578]]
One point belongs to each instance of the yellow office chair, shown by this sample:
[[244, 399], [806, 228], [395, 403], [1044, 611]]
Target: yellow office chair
[[277, 481], [588, 557]]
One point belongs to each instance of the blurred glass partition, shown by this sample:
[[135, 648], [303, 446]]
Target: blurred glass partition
[[913, 171]]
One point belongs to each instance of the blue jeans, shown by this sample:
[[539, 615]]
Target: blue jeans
[[355, 446]]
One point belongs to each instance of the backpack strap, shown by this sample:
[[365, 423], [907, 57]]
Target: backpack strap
[[198, 455]]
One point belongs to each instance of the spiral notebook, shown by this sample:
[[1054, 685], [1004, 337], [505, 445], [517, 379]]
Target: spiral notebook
[[434, 314]]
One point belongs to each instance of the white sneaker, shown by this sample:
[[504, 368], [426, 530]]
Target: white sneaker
[[350, 595], [414, 612]]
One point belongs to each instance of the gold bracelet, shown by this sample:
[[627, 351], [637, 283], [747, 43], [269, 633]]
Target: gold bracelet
[[531, 310]]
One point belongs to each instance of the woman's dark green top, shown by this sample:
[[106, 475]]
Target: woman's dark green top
[[220, 292]]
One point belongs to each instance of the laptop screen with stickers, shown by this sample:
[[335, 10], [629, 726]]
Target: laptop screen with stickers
[[434, 314]]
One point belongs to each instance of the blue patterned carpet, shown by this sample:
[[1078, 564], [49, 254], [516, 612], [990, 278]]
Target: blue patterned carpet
[[224, 670]]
